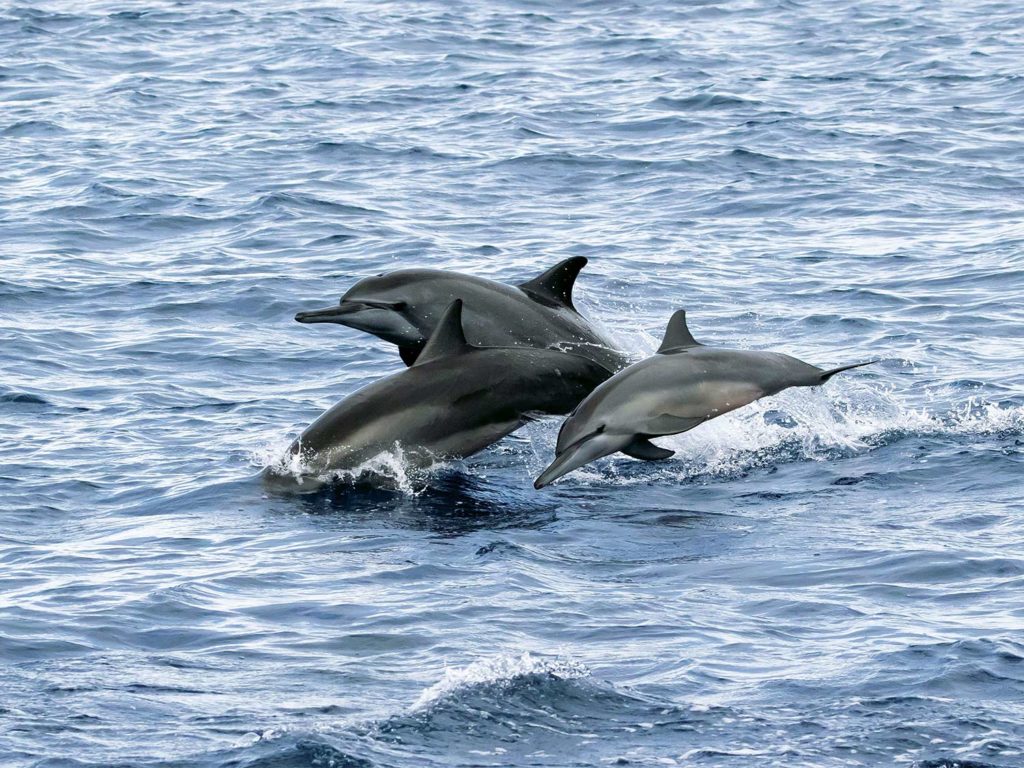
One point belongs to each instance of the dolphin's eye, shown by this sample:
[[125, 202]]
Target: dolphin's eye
[[600, 429]]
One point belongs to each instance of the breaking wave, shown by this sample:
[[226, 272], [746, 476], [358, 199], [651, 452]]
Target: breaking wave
[[499, 671]]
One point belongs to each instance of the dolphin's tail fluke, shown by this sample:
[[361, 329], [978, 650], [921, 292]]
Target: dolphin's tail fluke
[[826, 375]]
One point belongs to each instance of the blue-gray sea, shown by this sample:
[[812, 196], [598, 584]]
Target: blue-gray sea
[[829, 577]]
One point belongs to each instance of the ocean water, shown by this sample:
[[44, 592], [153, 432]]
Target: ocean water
[[829, 577]]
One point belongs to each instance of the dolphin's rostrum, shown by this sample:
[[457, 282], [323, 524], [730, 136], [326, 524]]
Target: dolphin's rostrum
[[403, 308], [454, 401], [680, 387]]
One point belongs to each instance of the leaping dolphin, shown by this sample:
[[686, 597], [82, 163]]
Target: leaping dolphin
[[680, 387], [454, 401], [403, 308]]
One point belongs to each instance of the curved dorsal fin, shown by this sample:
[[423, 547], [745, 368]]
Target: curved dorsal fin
[[555, 285], [677, 335], [448, 337]]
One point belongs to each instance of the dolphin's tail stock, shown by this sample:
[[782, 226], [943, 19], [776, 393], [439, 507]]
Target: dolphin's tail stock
[[826, 375]]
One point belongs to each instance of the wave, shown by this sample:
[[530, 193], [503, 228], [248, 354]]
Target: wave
[[984, 668], [704, 101], [22, 398], [304, 203], [354, 149], [33, 128], [509, 707], [518, 709], [269, 749], [499, 672], [495, 706]]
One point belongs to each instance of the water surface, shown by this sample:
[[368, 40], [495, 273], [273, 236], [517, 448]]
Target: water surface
[[827, 578]]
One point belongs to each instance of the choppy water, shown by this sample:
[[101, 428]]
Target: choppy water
[[828, 578]]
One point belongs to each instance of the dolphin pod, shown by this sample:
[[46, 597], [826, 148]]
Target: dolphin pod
[[455, 400], [403, 308], [680, 387], [484, 357]]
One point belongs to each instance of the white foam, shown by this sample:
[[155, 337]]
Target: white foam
[[498, 669], [274, 455], [391, 467], [798, 424]]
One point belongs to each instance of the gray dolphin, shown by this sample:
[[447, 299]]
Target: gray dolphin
[[403, 307], [454, 401], [682, 386]]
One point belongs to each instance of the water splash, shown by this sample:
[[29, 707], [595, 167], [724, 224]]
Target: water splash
[[390, 469], [797, 425]]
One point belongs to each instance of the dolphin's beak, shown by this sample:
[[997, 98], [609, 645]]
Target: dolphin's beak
[[585, 451], [554, 471], [384, 319], [339, 313], [333, 314]]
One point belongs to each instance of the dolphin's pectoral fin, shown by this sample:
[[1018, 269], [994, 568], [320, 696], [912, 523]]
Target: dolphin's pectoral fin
[[677, 335], [448, 337], [644, 449], [409, 353], [555, 285]]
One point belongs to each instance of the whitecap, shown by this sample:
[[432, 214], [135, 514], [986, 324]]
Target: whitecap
[[501, 669]]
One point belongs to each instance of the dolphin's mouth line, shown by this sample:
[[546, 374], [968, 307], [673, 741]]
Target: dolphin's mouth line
[[576, 444], [338, 312], [330, 314]]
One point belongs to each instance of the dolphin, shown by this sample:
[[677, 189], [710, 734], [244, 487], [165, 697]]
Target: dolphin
[[403, 307], [675, 390], [454, 401]]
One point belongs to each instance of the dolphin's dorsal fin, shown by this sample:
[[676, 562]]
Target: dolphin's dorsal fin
[[677, 335], [448, 337], [555, 285]]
